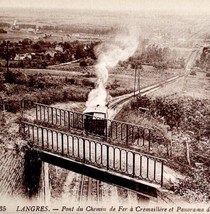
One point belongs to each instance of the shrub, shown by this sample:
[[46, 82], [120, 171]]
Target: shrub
[[189, 113], [70, 81], [192, 73], [89, 74], [15, 77], [119, 92], [2, 80], [208, 74], [31, 81], [114, 85], [88, 83], [21, 78], [194, 188], [171, 110], [83, 63], [10, 77], [1, 69]]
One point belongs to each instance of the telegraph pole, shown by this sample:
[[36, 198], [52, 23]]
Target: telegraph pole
[[7, 55], [137, 80]]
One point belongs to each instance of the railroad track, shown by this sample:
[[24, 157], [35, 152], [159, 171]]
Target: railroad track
[[124, 98], [89, 189]]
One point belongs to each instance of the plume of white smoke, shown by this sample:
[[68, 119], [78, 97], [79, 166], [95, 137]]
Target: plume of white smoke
[[120, 48]]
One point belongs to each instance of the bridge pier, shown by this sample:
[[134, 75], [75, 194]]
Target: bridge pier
[[32, 172], [45, 182]]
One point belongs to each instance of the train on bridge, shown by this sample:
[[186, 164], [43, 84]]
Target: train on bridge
[[95, 119]]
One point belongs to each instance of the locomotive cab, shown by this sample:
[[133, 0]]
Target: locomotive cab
[[95, 120]]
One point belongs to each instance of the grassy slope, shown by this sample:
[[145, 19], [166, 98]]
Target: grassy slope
[[192, 94]]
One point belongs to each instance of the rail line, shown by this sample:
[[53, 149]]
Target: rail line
[[124, 98], [92, 190], [89, 189]]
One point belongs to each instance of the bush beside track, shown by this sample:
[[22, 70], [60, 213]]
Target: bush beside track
[[181, 120]]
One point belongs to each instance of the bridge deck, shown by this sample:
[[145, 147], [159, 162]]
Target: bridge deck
[[139, 186]]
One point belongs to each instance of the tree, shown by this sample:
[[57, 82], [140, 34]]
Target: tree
[[80, 52], [26, 42], [66, 45], [160, 66], [36, 47]]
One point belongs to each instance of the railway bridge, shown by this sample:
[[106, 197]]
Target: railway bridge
[[110, 163]]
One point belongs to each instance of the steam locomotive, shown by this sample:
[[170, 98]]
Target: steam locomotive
[[95, 120]]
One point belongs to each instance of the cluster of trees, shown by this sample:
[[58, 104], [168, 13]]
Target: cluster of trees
[[75, 29], [45, 53], [159, 58], [189, 114], [2, 30], [204, 61]]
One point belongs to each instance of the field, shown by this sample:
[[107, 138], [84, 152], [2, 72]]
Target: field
[[50, 86]]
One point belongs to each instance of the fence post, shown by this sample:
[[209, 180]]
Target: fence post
[[127, 134], [48, 114], [60, 117], [4, 107], [83, 150], [73, 119], [36, 112], [56, 115], [161, 181], [52, 141], [149, 140], [40, 112], [187, 152], [22, 107], [62, 143], [107, 156], [44, 108], [52, 114], [105, 125], [133, 164], [69, 122], [82, 121], [42, 138], [22, 128], [111, 129]]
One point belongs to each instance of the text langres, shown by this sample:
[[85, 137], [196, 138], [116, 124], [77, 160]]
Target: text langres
[[32, 209]]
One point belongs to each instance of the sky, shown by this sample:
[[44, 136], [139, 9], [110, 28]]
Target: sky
[[115, 5]]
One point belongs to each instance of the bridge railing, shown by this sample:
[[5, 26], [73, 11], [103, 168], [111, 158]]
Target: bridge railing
[[115, 131], [102, 155], [15, 105]]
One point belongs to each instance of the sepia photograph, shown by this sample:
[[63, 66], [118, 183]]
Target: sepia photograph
[[104, 106]]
